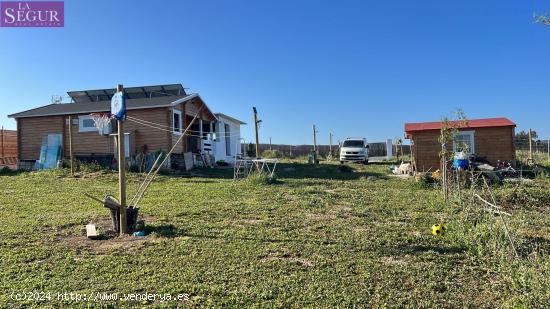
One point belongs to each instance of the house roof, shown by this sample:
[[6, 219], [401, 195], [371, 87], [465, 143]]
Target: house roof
[[105, 106], [230, 118], [472, 123]]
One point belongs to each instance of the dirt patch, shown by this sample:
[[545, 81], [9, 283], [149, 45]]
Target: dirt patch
[[246, 222], [288, 256], [332, 212], [394, 261], [109, 240]]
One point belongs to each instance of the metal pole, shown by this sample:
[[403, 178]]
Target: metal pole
[[121, 172], [256, 130]]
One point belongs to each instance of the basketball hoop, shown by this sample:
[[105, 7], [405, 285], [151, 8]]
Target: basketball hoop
[[102, 123]]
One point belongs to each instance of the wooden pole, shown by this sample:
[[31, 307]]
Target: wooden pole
[[530, 159], [330, 143], [3, 142], [314, 139], [71, 144], [121, 172], [256, 131]]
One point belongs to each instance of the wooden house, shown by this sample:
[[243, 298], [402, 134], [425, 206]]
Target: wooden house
[[156, 118], [490, 138]]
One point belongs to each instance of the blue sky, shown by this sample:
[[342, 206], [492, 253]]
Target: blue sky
[[356, 68]]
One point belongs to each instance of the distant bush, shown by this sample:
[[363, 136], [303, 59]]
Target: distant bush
[[90, 167], [261, 179], [272, 154]]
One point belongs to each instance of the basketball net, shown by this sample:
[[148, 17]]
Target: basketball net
[[102, 122]]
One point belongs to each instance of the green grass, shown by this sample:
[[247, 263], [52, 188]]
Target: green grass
[[320, 236]]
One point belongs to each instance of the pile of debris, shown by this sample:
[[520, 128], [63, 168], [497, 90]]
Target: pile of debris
[[402, 169], [495, 174]]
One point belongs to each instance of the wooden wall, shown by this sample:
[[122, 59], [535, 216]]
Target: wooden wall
[[495, 143], [8, 147], [32, 130]]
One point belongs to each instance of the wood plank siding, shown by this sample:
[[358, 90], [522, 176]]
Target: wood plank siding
[[493, 143], [33, 130], [8, 147]]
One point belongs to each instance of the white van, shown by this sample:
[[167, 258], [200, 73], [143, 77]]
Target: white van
[[354, 150]]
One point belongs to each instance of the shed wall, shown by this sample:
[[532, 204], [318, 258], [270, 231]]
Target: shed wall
[[495, 143]]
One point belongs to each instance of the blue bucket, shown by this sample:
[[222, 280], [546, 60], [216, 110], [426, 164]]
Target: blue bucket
[[460, 164]]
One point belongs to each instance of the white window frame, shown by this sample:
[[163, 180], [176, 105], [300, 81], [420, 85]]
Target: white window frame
[[472, 138], [82, 128], [177, 111]]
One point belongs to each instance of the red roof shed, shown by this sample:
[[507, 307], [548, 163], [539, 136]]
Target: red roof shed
[[491, 138]]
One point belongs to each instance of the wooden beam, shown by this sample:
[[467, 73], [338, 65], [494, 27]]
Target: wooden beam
[[2, 155], [184, 121], [18, 122], [122, 172], [71, 144]]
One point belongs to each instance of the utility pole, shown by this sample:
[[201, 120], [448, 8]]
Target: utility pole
[[3, 142], [330, 143], [548, 150], [71, 144], [314, 155], [530, 159], [121, 171], [290, 151], [256, 121], [314, 139]]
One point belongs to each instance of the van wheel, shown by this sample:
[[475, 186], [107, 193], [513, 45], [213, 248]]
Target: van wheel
[[366, 162], [341, 162]]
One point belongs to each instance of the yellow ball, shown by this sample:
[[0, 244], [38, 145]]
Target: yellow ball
[[438, 229]]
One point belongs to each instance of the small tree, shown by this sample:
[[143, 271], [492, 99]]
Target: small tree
[[449, 129]]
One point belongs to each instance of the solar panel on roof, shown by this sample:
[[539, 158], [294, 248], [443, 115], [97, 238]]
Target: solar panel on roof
[[95, 95]]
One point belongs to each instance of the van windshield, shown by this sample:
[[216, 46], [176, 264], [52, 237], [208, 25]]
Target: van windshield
[[353, 143]]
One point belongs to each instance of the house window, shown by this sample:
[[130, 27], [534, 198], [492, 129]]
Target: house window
[[227, 140], [464, 142], [86, 124], [176, 121]]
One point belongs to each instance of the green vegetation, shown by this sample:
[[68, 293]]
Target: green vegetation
[[320, 236], [272, 154]]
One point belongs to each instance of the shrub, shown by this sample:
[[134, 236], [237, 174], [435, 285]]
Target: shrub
[[261, 179], [272, 154], [90, 167]]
